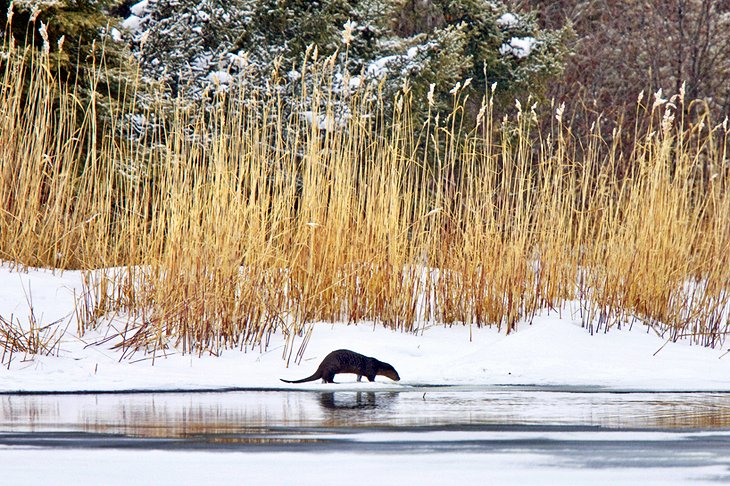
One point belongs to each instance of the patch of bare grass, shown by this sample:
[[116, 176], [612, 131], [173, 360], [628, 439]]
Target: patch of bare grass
[[28, 340]]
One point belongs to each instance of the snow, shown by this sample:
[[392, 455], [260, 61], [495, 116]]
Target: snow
[[140, 9], [552, 351], [162, 467], [293, 75], [116, 35], [219, 77], [324, 121], [379, 67], [132, 23], [508, 20], [520, 47], [138, 13], [605, 438]]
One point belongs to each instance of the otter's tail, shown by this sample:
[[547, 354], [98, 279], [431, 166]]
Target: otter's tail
[[316, 376]]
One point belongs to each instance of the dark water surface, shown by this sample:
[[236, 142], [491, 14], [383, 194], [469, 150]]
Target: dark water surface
[[594, 429]]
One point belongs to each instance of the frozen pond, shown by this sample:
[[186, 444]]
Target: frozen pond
[[504, 434]]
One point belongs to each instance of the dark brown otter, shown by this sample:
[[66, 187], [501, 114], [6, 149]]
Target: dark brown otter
[[346, 361]]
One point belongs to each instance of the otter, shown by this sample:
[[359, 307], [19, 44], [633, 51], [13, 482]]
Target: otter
[[346, 361]]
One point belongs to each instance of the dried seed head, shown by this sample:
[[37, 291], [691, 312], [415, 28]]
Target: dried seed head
[[406, 87], [559, 112], [667, 120], [44, 35], [34, 13], [658, 100], [143, 39], [682, 91], [429, 96], [480, 115], [347, 29]]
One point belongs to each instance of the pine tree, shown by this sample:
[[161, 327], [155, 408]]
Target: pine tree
[[503, 48], [195, 45], [80, 37]]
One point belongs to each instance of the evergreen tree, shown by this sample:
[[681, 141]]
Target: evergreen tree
[[202, 44], [496, 47], [195, 44], [80, 38]]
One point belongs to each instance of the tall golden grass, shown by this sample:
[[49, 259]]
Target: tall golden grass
[[226, 226]]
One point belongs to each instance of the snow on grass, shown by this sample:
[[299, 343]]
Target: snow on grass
[[553, 350]]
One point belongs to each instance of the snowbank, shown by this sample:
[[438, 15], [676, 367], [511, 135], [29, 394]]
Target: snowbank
[[553, 351]]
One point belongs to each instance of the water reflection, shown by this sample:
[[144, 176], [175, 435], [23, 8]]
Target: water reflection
[[711, 412], [334, 401], [255, 414]]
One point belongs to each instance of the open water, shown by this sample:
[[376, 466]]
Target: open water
[[585, 429]]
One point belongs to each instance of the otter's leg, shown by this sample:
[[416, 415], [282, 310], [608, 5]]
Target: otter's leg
[[359, 377], [328, 378], [371, 378]]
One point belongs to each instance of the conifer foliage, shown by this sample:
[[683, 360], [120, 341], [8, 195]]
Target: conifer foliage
[[199, 45], [81, 40]]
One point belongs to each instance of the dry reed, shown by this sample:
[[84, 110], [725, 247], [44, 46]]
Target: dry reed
[[232, 224]]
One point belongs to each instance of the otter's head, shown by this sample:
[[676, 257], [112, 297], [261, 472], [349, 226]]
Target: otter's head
[[388, 371]]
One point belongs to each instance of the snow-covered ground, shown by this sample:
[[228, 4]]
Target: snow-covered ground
[[159, 467], [553, 350], [527, 436]]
